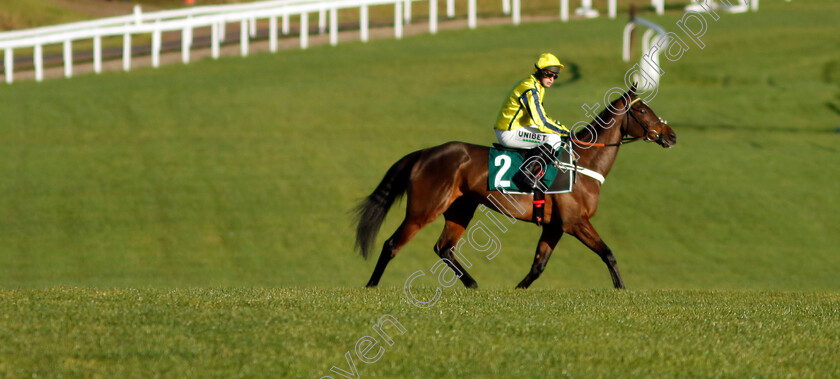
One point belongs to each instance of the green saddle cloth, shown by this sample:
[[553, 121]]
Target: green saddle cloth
[[503, 164]]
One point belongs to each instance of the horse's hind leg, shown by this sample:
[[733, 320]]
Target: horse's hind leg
[[458, 216], [416, 218], [392, 246], [428, 197]]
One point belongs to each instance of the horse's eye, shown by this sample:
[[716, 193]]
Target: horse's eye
[[642, 110]]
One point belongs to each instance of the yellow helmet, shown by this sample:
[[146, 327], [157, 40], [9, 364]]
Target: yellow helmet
[[549, 62]]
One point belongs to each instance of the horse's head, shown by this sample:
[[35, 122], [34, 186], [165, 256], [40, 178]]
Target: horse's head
[[643, 123]]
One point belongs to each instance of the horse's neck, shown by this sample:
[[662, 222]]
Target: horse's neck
[[601, 159]]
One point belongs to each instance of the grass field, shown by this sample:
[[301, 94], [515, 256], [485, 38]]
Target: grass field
[[498, 333], [195, 220]]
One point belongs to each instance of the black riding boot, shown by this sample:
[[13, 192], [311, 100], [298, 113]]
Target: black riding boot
[[528, 176], [522, 179]]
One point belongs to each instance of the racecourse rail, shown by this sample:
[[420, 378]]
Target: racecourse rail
[[217, 18]]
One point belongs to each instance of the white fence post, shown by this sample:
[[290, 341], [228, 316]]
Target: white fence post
[[407, 12], [433, 17], [186, 42], [38, 57], [285, 23], [214, 41], [188, 29], [222, 30], [304, 30], [156, 47], [272, 34], [333, 27], [612, 8], [138, 15], [363, 23], [97, 54], [126, 49], [650, 67], [517, 12], [68, 58], [450, 8], [322, 20], [625, 51], [398, 29], [649, 63], [564, 10], [646, 40], [243, 37], [471, 16], [253, 24], [506, 7], [9, 63]]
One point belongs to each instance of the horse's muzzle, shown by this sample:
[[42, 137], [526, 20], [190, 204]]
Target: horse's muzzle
[[667, 139]]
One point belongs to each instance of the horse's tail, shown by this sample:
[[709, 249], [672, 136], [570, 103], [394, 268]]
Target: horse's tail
[[372, 210]]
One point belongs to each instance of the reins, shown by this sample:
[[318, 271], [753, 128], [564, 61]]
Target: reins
[[591, 144]]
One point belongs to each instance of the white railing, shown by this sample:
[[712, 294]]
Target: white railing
[[740, 6], [585, 10], [138, 17], [649, 63], [217, 18]]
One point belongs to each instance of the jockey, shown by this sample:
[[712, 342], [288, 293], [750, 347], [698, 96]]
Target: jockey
[[522, 121]]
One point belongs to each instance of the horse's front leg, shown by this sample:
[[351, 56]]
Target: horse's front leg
[[548, 240], [585, 232]]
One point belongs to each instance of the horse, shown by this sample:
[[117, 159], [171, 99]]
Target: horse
[[451, 180]]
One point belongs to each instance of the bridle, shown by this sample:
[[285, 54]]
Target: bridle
[[626, 140], [597, 176], [645, 126]]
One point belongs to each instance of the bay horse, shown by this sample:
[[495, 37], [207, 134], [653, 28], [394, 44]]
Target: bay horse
[[451, 180]]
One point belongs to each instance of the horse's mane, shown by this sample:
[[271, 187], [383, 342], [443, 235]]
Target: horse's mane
[[585, 134]]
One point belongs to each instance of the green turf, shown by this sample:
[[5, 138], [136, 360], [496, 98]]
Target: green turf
[[482, 334], [244, 171], [241, 173]]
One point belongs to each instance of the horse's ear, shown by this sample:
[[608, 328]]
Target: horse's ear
[[633, 88]]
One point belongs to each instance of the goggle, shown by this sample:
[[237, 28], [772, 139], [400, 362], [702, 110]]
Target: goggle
[[549, 74]]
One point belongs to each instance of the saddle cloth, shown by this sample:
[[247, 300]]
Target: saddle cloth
[[504, 162]]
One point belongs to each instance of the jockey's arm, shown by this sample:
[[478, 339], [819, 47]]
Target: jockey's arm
[[530, 99]]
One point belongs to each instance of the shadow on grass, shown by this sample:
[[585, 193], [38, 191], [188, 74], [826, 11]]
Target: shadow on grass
[[573, 70]]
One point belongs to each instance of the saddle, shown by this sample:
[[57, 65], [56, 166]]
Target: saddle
[[504, 162], [506, 174]]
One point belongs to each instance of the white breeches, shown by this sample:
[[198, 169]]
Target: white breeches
[[528, 137]]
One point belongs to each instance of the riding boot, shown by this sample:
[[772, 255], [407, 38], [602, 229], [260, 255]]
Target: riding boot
[[529, 176], [524, 177]]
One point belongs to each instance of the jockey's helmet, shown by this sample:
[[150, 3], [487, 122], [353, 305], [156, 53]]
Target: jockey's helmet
[[549, 62]]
